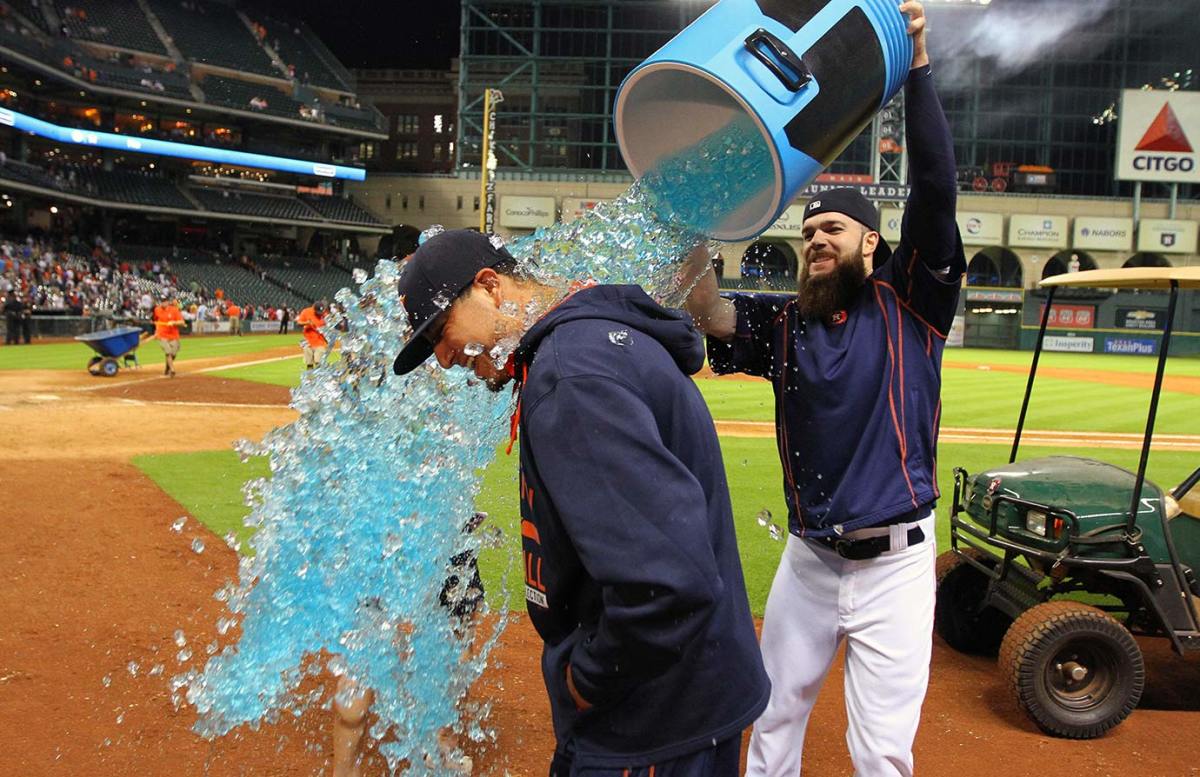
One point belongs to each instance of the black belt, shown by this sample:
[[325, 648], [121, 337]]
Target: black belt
[[871, 547]]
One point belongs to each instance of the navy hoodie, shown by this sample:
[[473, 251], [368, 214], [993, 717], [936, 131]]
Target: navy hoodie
[[632, 574]]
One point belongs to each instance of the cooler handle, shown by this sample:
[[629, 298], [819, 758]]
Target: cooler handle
[[797, 77]]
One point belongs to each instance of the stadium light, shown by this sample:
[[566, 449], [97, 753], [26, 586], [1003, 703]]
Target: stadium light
[[45, 129]]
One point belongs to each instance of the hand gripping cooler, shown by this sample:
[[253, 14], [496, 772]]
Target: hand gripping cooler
[[807, 75]]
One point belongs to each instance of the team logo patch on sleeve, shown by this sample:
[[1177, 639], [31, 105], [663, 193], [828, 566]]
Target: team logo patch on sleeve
[[534, 596]]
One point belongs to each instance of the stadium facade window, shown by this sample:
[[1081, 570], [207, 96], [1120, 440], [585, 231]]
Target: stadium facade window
[[439, 124], [408, 124], [439, 152], [407, 150], [404, 202], [368, 151], [421, 202], [133, 124], [1050, 105]]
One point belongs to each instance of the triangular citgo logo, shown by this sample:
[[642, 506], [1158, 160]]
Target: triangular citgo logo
[[1166, 134]]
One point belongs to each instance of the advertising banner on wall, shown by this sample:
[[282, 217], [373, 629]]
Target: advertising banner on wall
[[1157, 136], [211, 327], [890, 220], [1069, 344], [527, 212], [1137, 346], [1167, 236], [995, 295], [958, 332], [1103, 234], [790, 224], [1037, 231], [876, 192], [574, 209], [1070, 316], [981, 229], [1137, 318]]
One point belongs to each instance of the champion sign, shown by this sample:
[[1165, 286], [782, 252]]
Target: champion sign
[[1157, 137]]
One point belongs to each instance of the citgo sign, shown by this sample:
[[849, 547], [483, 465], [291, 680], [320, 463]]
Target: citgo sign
[[1158, 135]]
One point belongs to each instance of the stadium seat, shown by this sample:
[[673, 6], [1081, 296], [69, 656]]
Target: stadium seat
[[251, 204], [294, 45], [246, 96], [136, 188], [238, 283], [111, 22], [341, 209], [213, 34]]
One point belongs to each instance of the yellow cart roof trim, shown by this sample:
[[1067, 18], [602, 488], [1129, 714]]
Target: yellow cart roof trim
[[1129, 278]]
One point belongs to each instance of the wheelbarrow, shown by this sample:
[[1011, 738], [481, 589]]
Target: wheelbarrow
[[113, 348]]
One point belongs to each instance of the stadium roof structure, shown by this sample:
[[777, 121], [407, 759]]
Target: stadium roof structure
[[84, 61]]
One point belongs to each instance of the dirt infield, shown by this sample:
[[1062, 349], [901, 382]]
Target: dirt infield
[[94, 578]]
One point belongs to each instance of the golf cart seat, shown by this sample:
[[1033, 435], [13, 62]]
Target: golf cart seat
[[1187, 507]]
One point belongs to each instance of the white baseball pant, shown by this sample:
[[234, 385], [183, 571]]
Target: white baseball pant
[[883, 609]]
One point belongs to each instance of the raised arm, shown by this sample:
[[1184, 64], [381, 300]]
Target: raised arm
[[713, 315], [929, 221]]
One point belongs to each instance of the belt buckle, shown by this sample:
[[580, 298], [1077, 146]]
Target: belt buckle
[[844, 548]]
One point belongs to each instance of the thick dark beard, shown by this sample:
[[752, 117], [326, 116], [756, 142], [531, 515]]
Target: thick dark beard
[[821, 297]]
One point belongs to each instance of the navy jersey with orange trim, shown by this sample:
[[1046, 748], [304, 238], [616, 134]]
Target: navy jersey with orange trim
[[632, 573], [858, 398]]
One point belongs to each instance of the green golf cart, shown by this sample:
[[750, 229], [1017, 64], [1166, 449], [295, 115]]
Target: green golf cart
[[1057, 562]]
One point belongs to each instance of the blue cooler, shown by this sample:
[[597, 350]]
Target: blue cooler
[[802, 78]]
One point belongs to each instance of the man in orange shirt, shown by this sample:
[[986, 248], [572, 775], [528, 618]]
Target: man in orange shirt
[[235, 318], [315, 344], [167, 322]]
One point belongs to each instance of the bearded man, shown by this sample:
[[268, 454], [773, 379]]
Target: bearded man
[[855, 360]]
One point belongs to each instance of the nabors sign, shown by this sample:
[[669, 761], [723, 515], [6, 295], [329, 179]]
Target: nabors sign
[[1158, 137]]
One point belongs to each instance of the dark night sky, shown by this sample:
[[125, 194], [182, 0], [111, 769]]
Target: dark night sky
[[380, 33]]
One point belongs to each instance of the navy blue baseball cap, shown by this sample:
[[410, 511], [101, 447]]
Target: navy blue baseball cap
[[436, 274], [852, 203]]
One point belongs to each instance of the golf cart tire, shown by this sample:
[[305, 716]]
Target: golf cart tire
[[1053, 639], [960, 589]]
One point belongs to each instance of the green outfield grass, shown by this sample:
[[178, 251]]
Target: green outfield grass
[[970, 398], [74, 356], [1177, 365], [992, 399], [209, 484], [285, 372]]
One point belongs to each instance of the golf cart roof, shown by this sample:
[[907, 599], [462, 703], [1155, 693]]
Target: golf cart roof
[[1129, 278]]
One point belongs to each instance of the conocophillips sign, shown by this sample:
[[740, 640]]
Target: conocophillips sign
[[1156, 141], [527, 212]]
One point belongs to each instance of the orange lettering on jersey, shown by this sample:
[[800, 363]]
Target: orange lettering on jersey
[[531, 579]]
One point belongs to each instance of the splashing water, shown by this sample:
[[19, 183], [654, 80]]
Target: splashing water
[[372, 485], [643, 236], [369, 493]]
